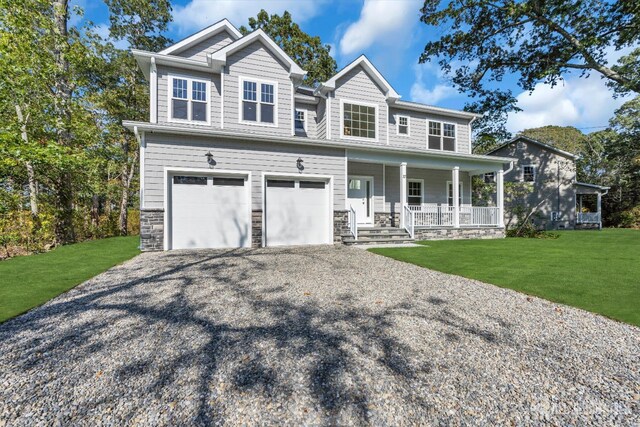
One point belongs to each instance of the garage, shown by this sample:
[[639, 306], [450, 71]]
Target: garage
[[297, 211], [209, 211]]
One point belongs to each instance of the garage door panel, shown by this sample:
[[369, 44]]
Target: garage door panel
[[209, 216], [297, 216]]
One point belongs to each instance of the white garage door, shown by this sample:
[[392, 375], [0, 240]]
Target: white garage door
[[297, 212], [209, 212]]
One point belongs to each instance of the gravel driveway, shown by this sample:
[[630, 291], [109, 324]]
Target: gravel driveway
[[314, 336]]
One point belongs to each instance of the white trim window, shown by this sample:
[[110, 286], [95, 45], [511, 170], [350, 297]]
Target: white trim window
[[490, 178], [188, 100], [258, 102], [528, 173], [450, 193], [359, 121], [402, 125], [300, 124], [441, 136], [415, 191]]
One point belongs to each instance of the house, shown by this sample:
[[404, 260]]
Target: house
[[238, 153], [548, 176]]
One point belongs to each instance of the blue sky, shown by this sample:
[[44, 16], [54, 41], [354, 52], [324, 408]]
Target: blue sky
[[390, 34]]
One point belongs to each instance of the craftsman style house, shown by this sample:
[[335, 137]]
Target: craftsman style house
[[554, 196], [238, 153]]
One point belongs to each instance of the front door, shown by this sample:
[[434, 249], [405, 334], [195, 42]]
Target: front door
[[360, 198]]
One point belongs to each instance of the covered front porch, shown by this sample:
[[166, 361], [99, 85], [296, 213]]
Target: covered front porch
[[588, 213], [426, 196]]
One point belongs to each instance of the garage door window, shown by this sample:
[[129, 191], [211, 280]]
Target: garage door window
[[281, 183], [237, 182], [190, 180], [312, 184]]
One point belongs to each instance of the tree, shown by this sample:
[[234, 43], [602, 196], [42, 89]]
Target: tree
[[307, 51], [565, 138], [539, 41]]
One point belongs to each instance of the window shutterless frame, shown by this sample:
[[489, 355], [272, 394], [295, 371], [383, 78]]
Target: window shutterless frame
[[403, 125], [266, 94], [191, 94], [528, 173], [364, 104], [441, 136], [300, 119]]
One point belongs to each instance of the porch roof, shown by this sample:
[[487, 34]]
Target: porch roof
[[584, 188], [355, 151]]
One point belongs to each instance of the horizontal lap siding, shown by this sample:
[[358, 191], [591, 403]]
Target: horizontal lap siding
[[212, 44], [321, 128], [164, 92], [376, 171], [310, 111], [418, 130], [182, 152], [357, 86], [257, 62], [435, 185]]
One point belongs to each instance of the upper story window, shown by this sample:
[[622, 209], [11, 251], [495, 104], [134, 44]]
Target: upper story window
[[442, 136], [528, 173], [258, 102], [359, 121], [403, 125], [189, 100], [301, 121]]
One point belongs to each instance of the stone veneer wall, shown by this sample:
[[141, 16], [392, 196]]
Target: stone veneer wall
[[151, 230], [256, 229], [340, 225], [458, 233], [386, 219]]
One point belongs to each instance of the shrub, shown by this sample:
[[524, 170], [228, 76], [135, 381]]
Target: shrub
[[630, 218]]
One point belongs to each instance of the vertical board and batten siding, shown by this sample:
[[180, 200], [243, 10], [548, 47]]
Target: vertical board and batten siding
[[164, 92], [310, 112], [375, 171], [418, 128], [189, 152], [357, 86], [256, 61], [321, 119], [212, 44], [435, 186]]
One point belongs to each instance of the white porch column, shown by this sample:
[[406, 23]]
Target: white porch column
[[599, 210], [455, 183], [403, 191], [500, 196]]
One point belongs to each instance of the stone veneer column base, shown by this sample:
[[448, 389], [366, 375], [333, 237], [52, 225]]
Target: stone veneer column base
[[458, 233], [340, 225], [151, 230]]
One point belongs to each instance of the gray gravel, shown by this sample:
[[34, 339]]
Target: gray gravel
[[314, 336]]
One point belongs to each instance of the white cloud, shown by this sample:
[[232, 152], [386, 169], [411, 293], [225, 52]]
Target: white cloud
[[579, 102], [420, 91], [198, 14], [389, 22]]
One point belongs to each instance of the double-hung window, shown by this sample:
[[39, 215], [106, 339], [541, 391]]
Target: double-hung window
[[258, 102], [300, 121], [403, 125], [442, 136], [414, 193], [528, 173], [358, 121], [189, 100]]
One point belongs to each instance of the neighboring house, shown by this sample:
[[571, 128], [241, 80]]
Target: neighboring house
[[548, 178], [237, 153]]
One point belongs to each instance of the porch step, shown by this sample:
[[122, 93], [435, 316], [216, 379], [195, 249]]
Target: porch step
[[378, 235]]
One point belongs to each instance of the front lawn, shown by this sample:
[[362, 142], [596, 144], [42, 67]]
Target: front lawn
[[597, 271], [29, 281]]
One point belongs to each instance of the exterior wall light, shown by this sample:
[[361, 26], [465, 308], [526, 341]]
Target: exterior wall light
[[210, 159], [299, 164]]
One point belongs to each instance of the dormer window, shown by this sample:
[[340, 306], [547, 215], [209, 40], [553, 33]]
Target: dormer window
[[359, 121], [442, 136], [189, 100], [300, 122], [258, 102]]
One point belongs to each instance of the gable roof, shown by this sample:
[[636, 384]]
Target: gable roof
[[373, 72], [211, 30], [536, 142], [220, 57]]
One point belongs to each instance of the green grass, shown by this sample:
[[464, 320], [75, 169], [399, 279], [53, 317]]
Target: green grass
[[29, 281], [597, 271]]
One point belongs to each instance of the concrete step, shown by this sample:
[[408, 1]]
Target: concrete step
[[352, 241]]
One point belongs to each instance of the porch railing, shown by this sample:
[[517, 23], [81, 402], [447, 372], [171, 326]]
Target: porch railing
[[353, 223], [588, 217], [433, 215], [409, 221]]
